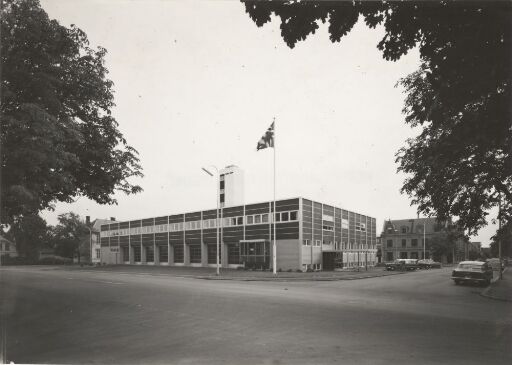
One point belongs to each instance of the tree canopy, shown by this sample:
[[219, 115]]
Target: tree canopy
[[461, 163], [31, 233], [70, 236], [59, 139]]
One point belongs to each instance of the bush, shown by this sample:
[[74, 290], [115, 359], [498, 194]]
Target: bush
[[7, 260], [55, 260], [289, 270]]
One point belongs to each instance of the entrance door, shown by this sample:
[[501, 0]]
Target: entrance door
[[255, 254]]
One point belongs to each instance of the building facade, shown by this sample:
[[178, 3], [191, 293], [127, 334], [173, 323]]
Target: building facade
[[310, 235], [465, 250], [232, 186], [95, 229], [403, 238], [7, 248]]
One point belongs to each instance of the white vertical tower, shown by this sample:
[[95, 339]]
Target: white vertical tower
[[231, 186]]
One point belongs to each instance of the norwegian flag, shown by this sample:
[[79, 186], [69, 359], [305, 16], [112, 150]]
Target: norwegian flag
[[267, 140]]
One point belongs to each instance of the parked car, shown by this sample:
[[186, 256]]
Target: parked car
[[476, 272], [429, 264], [495, 264], [402, 264]]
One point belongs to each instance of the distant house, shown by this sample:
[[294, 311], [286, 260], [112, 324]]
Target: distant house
[[409, 239], [465, 250], [7, 247], [95, 238]]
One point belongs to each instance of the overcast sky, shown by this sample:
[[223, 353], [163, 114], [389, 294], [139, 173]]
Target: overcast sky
[[198, 83]]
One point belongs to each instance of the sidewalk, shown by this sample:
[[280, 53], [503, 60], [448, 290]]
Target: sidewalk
[[500, 289], [208, 273]]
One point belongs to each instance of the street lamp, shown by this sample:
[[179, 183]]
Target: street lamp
[[499, 235], [424, 243], [217, 222], [90, 242]]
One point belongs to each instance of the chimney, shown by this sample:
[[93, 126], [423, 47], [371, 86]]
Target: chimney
[[113, 219], [88, 220]]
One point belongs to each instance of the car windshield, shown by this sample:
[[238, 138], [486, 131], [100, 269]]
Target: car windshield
[[470, 266]]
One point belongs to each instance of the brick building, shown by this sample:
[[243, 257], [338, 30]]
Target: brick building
[[403, 238]]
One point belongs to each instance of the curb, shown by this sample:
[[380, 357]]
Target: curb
[[252, 278], [213, 278], [485, 292]]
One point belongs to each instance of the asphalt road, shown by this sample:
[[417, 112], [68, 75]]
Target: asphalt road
[[58, 316]]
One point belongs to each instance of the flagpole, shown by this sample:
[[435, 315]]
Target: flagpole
[[274, 261]]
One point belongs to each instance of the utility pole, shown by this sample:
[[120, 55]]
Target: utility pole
[[499, 236]]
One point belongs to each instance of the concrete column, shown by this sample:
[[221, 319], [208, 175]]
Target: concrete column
[[142, 254], [186, 254], [156, 254], [204, 254], [170, 253], [224, 255], [156, 250]]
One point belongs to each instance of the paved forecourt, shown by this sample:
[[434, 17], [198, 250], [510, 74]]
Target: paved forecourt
[[56, 316]]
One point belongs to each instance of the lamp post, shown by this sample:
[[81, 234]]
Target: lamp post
[[499, 237], [424, 242], [217, 222], [366, 257], [90, 242]]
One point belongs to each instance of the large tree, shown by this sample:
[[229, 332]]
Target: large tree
[[503, 235], [461, 163], [31, 233], [69, 237], [59, 139]]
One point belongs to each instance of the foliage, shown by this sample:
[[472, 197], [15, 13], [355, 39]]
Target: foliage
[[58, 136], [443, 243], [505, 235], [70, 236], [31, 233], [462, 161]]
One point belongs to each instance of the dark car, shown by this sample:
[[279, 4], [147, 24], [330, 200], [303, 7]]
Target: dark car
[[429, 264], [476, 272], [402, 264]]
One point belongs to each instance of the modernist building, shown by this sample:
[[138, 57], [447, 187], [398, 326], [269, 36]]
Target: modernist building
[[310, 235], [232, 186]]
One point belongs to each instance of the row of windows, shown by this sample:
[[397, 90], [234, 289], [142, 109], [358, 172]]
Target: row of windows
[[207, 223], [137, 230], [344, 223], [286, 216], [361, 227], [390, 256], [257, 218], [337, 246], [403, 243]]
